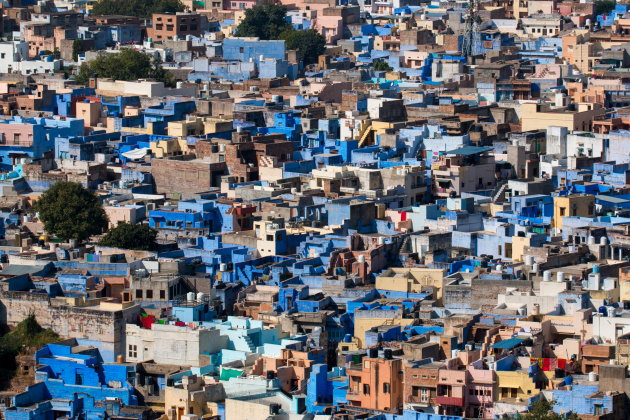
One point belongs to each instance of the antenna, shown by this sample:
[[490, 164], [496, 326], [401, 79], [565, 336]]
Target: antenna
[[469, 47]]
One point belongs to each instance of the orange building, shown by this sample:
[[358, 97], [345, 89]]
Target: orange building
[[376, 384], [167, 26], [292, 368]]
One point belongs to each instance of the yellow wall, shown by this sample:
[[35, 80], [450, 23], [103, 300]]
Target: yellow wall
[[532, 119], [412, 283], [584, 207], [361, 325], [518, 247], [519, 380]]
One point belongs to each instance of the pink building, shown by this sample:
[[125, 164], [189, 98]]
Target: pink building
[[331, 27]]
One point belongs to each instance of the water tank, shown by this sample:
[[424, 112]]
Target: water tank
[[239, 129], [276, 98], [499, 268], [373, 353], [592, 377], [361, 259], [179, 85], [529, 260], [603, 240], [347, 338], [595, 268], [536, 309], [200, 297], [610, 311], [190, 296], [560, 276], [223, 267], [588, 23], [522, 311], [535, 267], [591, 240], [547, 275], [469, 347], [389, 354]]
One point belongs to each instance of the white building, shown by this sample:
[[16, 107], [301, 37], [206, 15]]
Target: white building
[[14, 59], [171, 344]]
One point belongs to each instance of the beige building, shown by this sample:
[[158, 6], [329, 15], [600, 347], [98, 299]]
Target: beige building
[[171, 344], [193, 396], [536, 116], [258, 406], [124, 214], [412, 280]]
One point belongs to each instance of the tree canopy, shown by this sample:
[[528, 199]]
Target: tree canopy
[[26, 336], [127, 64], [380, 65], [309, 44], [139, 8], [69, 211], [128, 236], [603, 7], [542, 410], [266, 21]]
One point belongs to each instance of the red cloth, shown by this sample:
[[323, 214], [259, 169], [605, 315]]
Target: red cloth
[[147, 321]]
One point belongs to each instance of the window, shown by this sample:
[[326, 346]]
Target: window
[[386, 388], [162, 294], [366, 364], [562, 211], [139, 294], [149, 294], [16, 138], [270, 237], [132, 350], [366, 389], [425, 394]]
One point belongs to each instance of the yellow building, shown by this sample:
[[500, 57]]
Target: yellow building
[[572, 205], [192, 396], [412, 280], [515, 384], [624, 284], [365, 320], [535, 116]]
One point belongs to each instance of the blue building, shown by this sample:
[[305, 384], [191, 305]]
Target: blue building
[[33, 137], [74, 382]]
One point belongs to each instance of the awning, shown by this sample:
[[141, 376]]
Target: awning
[[137, 153]]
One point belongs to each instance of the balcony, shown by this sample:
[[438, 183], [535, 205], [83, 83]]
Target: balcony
[[443, 400]]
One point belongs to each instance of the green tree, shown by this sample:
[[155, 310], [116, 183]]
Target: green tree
[[380, 65], [265, 21], [127, 64], [308, 44], [139, 8], [542, 410], [28, 335], [69, 211], [127, 236], [604, 7], [77, 48]]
